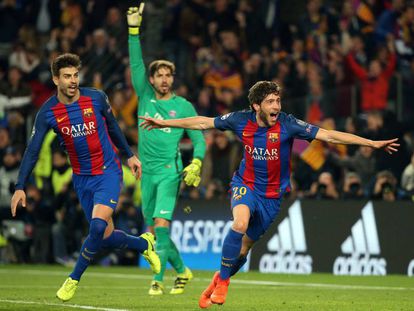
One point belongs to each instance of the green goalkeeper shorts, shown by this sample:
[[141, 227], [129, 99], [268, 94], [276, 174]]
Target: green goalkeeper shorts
[[159, 196]]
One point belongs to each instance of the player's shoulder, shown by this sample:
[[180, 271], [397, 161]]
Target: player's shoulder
[[98, 96], [48, 104], [181, 100], [240, 115], [91, 92], [284, 117], [290, 118]]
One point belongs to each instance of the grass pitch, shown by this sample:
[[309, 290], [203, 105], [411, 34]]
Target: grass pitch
[[32, 287]]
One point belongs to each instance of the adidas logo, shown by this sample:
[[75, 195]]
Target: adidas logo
[[287, 243], [360, 247]]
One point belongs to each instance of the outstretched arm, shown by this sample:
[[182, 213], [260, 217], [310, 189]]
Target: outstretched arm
[[337, 137], [193, 123]]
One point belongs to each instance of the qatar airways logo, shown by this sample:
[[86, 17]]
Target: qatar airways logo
[[79, 130], [262, 153]]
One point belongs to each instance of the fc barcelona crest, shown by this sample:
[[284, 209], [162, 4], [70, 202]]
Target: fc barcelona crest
[[273, 137], [87, 112]]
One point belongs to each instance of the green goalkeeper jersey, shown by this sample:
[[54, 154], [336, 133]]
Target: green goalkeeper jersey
[[159, 149]]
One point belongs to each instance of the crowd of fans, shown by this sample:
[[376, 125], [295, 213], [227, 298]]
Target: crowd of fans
[[342, 64]]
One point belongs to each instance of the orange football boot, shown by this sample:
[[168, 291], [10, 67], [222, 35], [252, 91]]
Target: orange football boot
[[220, 292], [205, 301]]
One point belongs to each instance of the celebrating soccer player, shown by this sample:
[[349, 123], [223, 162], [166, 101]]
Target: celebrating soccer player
[[263, 177], [158, 151], [86, 128]]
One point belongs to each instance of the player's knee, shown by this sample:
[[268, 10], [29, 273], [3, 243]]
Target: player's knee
[[240, 226], [244, 251], [97, 228], [161, 222]]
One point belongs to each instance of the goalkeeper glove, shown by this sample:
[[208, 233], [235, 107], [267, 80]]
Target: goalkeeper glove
[[192, 173], [134, 18]]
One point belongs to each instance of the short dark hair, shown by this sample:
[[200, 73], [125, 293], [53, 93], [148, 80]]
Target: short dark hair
[[260, 90], [64, 61], [160, 63]]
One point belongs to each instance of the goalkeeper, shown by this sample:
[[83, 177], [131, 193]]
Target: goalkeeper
[[158, 151]]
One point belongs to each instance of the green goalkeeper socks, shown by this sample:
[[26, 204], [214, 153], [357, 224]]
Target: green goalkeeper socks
[[162, 248], [174, 258]]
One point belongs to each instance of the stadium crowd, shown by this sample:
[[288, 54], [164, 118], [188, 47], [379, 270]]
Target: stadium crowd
[[342, 64]]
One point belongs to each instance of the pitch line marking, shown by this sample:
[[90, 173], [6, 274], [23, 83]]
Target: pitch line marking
[[60, 305], [234, 281]]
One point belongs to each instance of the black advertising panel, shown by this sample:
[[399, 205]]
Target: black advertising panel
[[340, 237]]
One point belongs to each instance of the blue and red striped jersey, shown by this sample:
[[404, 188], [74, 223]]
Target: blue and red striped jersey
[[265, 167], [86, 129]]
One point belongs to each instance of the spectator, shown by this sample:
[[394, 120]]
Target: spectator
[[219, 164], [324, 188], [352, 188], [407, 179], [8, 174], [374, 81], [385, 187], [387, 21], [363, 162], [10, 19], [39, 216], [14, 93], [4, 143]]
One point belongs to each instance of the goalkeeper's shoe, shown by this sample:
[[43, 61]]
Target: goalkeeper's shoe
[[180, 282], [205, 300], [67, 290], [220, 292], [156, 289], [150, 255]]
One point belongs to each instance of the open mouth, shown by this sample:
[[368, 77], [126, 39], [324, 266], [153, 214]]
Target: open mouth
[[273, 116]]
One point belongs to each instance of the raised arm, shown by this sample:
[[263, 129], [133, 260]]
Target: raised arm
[[138, 72], [337, 137], [192, 123], [356, 68]]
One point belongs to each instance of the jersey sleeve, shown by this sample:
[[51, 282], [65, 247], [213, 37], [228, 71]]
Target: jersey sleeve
[[31, 154], [226, 122], [138, 73], [300, 129], [114, 130]]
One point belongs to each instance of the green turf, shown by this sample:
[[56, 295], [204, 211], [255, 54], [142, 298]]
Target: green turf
[[31, 287]]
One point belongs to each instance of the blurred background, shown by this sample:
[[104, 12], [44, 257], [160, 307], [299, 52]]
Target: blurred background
[[345, 65]]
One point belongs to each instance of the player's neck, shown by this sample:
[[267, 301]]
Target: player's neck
[[166, 96], [68, 100], [260, 122]]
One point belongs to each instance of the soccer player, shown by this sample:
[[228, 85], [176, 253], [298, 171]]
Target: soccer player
[[158, 150], [263, 177], [86, 128]]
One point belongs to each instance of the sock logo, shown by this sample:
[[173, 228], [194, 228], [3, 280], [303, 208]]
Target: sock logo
[[289, 244], [361, 248]]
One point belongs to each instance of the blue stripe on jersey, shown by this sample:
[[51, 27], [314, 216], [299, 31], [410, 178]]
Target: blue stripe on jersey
[[285, 151], [260, 166], [81, 145]]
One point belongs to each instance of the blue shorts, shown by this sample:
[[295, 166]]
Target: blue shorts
[[262, 211], [98, 189]]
